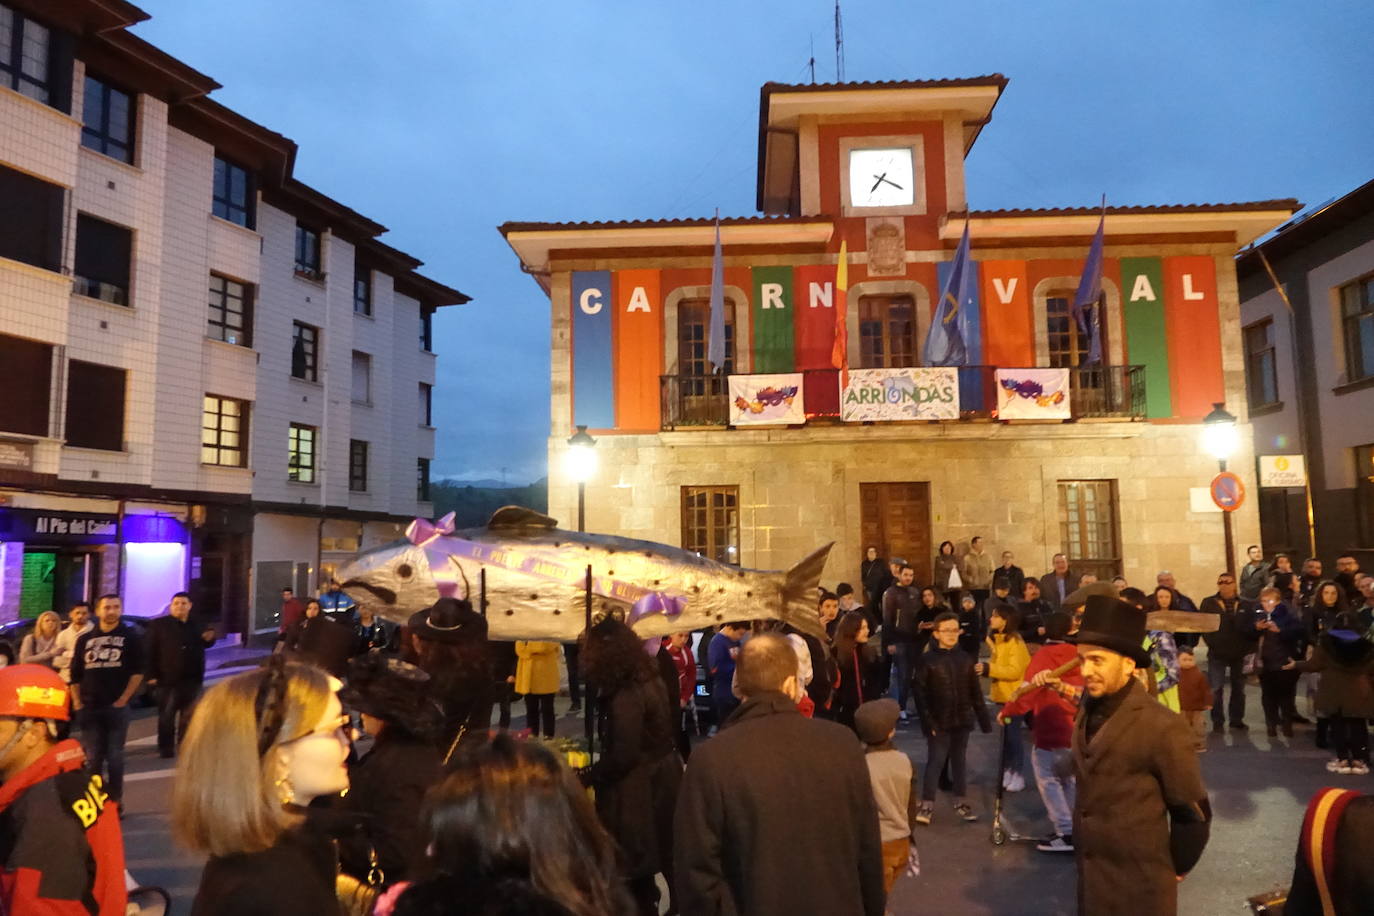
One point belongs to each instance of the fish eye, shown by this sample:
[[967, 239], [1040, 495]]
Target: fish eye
[[405, 571]]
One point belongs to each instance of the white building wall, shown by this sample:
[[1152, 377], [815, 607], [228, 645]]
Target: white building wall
[[1349, 414]]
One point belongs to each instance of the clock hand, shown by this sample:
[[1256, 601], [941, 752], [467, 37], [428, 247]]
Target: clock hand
[[881, 178], [891, 182]]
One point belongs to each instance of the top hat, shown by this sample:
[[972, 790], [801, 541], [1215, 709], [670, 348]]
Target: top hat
[[448, 620], [1115, 625], [394, 691]]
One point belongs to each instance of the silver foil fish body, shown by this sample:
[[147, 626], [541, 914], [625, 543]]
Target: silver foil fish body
[[535, 580]]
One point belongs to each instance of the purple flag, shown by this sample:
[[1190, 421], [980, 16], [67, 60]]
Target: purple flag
[[1087, 303], [715, 340]]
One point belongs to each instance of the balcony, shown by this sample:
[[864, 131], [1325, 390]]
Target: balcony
[[1095, 393]]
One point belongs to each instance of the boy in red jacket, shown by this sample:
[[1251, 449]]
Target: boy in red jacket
[[1054, 705], [49, 802]]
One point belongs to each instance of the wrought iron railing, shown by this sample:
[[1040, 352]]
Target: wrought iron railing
[[1095, 392]]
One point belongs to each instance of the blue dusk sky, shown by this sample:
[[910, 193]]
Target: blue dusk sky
[[443, 119]]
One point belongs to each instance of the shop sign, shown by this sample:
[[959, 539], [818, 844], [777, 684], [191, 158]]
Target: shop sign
[[1282, 471], [16, 455], [40, 527]]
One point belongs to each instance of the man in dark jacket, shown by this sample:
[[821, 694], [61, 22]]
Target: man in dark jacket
[[1235, 637], [107, 669], [1254, 575], [62, 847], [1010, 571], [1142, 818], [875, 577], [1348, 577], [176, 669], [1056, 584], [776, 814], [902, 630], [1032, 610]]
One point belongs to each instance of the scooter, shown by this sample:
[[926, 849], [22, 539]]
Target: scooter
[[1001, 832]]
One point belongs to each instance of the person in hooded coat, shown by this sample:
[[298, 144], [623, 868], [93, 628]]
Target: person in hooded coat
[[451, 646], [638, 774], [1345, 694], [388, 784]]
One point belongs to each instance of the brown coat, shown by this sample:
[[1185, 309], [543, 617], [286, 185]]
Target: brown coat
[[1140, 762], [1194, 693]]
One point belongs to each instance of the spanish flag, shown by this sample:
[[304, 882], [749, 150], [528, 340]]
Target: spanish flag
[[839, 354]]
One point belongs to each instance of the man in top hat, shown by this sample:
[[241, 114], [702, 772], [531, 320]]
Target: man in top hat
[[1141, 818]]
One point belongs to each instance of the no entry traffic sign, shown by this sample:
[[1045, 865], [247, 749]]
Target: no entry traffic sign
[[1227, 491]]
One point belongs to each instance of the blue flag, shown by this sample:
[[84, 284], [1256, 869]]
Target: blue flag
[[945, 340], [1087, 303], [715, 340]]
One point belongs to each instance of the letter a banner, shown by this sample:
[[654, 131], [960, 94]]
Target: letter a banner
[[930, 393]]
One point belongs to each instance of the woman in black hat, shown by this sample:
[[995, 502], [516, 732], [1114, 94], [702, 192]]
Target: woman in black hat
[[639, 772], [388, 784], [451, 646]]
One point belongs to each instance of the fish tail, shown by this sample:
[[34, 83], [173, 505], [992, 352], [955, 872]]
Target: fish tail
[[799, 591]]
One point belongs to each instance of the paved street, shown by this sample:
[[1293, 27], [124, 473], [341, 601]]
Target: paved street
[[1258, 787]]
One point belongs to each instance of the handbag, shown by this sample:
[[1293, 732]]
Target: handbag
[[356, 898]]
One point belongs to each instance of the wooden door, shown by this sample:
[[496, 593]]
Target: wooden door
[[895, 517]]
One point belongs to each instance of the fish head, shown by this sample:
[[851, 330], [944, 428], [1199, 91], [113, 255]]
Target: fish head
[[394, 580]]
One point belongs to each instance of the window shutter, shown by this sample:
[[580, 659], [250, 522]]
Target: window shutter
[[28, 378], [95, 406]]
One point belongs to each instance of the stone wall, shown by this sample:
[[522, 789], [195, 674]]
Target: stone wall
[[799, 488]]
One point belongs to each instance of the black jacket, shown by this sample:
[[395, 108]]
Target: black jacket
[[948, 695], [322, 641], [103, 663], [386, 790], [292, 878], [1352, 883], [1236, 636], [1033, 614], [901, 611], [1346, 666], [776, 818], [176, 651], [876, 577], [638, 775], [1278, 649]]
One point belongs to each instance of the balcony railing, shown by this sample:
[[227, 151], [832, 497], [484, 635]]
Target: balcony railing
[[1095, 392]]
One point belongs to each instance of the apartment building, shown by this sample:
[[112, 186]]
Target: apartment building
[[1035, 442], [218, 378], [1309, 361]]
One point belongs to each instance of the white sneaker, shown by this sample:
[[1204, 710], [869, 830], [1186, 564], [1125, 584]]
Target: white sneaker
[[1333, 765], [1015, 782], [903, 716], [1345, 769], [1058, 844], [1359, 768]]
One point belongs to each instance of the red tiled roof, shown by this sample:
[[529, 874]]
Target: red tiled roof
[[507, 228], [1286, 203], [991, 79]]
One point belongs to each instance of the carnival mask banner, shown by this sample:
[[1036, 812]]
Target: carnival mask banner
[[928, 393], [766, 399], [1033, 394]]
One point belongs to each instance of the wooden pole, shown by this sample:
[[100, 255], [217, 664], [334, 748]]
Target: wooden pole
[[482, 601], [589, 707]]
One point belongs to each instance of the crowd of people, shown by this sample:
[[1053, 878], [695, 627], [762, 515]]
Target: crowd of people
[[360, 769]]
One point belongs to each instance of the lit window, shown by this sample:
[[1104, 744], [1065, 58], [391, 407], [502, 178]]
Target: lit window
[[300, 463], [224, 432]]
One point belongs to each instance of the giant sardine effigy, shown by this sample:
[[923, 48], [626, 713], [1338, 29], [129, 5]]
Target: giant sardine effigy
[[535, 580]]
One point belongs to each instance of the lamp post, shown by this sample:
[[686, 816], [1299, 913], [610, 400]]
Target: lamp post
[[580, 464], [1219, 439]]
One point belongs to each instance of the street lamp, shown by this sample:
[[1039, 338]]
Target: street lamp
[[580, 463], [1219, 439]]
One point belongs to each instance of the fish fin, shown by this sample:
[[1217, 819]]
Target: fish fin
[[799, 592], [520, 517]]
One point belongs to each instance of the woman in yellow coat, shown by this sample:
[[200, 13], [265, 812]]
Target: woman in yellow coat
[[536, 676], [1007, 668]]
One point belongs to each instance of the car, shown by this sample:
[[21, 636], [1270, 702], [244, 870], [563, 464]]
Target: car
[[12, 635]]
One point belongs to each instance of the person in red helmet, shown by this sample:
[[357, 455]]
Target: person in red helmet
[[49, 801]]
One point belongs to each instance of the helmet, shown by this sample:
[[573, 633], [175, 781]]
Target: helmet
[[33, 692]]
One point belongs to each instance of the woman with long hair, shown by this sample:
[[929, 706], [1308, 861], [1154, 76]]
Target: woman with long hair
[[450, 641], [1328, 601], [638, 774], [854, 663], [40, 647], [510, 830], [261, 746]]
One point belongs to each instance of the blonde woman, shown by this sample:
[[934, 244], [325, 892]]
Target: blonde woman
[[40, 647], [262, 746]]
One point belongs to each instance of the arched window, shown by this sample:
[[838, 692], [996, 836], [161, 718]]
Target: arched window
[[887, 332], [693, 335]]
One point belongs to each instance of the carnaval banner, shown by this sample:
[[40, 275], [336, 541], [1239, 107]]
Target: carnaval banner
[[929, 393], [766, 399], [1147, 343], [593, 400], [1033, 394], [773, 328]]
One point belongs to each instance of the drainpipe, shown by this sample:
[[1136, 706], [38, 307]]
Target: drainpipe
[[119, 548]]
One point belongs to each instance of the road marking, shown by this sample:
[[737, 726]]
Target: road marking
[[150, 774]]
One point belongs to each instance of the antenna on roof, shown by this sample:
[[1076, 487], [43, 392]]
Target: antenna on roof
[[839, 45], [812, 62]]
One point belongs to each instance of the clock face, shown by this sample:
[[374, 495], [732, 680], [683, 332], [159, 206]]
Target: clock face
[[881, 178]]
